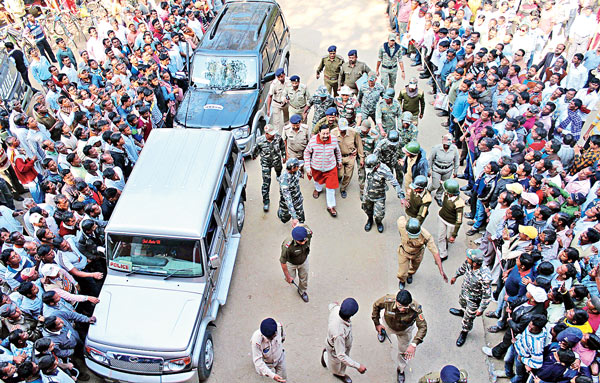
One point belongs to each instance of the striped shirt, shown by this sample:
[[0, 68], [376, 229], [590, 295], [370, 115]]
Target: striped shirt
[[36, 31], [530, 347], [472, 115], [322, 156]]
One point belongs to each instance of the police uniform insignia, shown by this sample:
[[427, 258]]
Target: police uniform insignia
[[288, 243], [266, 350], [421, 317]]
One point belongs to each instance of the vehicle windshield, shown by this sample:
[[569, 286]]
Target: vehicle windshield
[[154, 255], [227, 72]]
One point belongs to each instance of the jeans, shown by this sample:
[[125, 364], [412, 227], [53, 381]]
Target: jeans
[[45, 49], [499, 311], [520, 371], [509, 361], [479, 215]]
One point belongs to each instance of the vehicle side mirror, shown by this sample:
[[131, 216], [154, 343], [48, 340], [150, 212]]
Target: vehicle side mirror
[[214, 261], [268, 77]]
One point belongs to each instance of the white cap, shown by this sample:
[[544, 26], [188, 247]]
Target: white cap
[[343, 124], [35, 218], [50, 270]]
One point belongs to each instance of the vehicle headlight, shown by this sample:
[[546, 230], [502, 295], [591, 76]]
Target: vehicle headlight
[[96, 355], [177, 125], [241, 132], [177, 365]]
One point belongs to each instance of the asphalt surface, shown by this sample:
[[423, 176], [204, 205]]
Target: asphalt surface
[[345, 261]]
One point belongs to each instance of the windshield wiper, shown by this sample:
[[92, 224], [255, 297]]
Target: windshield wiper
[[172, 273]]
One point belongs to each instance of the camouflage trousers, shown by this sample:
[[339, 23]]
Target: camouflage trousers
[[470, 306], [388, 77], [284, 213], [266, 176], [375, 209]]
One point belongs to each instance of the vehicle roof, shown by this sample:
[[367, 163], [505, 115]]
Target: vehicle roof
[[171, 188], [237, 26]]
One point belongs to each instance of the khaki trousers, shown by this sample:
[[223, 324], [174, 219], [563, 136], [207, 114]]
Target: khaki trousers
[[346, 171], [279, 367], [334, 364], [277, 117], [408, 264], [404, 337], [302, 274], [444, 229]]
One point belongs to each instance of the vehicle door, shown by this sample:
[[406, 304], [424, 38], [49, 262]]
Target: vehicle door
[[282, 34], [269, 62]]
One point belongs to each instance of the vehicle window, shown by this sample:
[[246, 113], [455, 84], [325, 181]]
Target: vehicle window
[[272, 49], [211, 234], [266, 67], [226, 72], [222, 194], [155, 255], [232, 159], [278, 29]]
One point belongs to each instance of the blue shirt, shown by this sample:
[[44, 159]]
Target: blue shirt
[[514, 285], [459, 110], [591, 60], [448, 68], [41, 70]]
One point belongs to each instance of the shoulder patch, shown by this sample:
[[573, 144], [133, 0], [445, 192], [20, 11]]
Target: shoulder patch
[[288, 243]]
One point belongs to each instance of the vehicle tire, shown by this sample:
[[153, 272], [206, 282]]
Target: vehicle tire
[[240, 216], [207, 356]]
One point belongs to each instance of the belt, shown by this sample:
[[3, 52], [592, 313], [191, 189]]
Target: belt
[[330, 78], [444, 167], [278, 103], [418, 252], [390, 67], [346, 155]]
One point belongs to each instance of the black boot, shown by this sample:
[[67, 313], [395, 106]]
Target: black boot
[[379, 226], [457, 312], [369, 224], [462, 338]]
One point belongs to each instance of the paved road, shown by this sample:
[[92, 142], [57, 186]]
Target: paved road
[[345, 260]]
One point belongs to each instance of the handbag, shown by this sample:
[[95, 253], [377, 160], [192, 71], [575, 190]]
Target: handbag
[[441, 101]]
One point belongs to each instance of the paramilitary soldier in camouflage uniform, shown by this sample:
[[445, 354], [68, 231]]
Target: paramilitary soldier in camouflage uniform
[[400, 314], [444, 160], [413, 240], [419, 199], [368, 97], [369, 137], [375, 187], [321, 101], [475, 291], [448, 374], [408, 131], [330, 120], [352, 71], [387, 112], [390, 56], [331, 65], [271, 148], [294, 258], [347, 105], [297, 97], [290, 197], [388, 151]]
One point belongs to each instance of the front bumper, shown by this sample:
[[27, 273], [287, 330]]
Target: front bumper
[[123, 377], [246, 144]]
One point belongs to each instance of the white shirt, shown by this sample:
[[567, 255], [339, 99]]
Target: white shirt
[[484, 159], [95, 49], [71, 73], [576, 76], [590, 101], [9, 222]]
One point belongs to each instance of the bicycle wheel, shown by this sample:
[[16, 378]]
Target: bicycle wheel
[[60, 29], [25, 47], [97, 9]]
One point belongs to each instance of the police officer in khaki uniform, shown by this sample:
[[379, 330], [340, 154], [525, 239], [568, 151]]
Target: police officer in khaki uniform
[[413, 240], [267, 350], [298, 96], [294, 258], [401, 314], [448, 374], [295, 136], [352, 71], [331, 66], [336, 354], [277, 100], [419, 199], [351, 146]]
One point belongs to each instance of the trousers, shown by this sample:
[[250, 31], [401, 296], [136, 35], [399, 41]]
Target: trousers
[[443, 229], [408, 263], [388, 77], [345, 172], [277, 117], [374, 209], [279, 367], [302, 274], [334, 364], [266, 176], [437, 179], [470, 307], [403, 337], [45, 49], [329, 193], [332, 87]]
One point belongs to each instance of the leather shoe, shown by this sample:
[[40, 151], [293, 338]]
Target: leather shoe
[[369, 225], [461, 176], [401, 377], [442, 114], [332, 211], [266, 207], [401, 285], [323, 359], [472, 232], [344, 194], [492, 314], [18, 198], [316, 194], [462, 338], [443, 259], [345, 378], [464, 188], [495, 329], [445, 124], [409, 279], [470, 223], [304, 297], [457, 312], [379, 227], [469, 215]]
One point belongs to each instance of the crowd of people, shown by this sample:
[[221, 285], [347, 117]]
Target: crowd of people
[[515, 83], [72, 148]]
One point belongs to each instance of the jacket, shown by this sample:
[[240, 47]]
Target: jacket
[[421, 165]]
